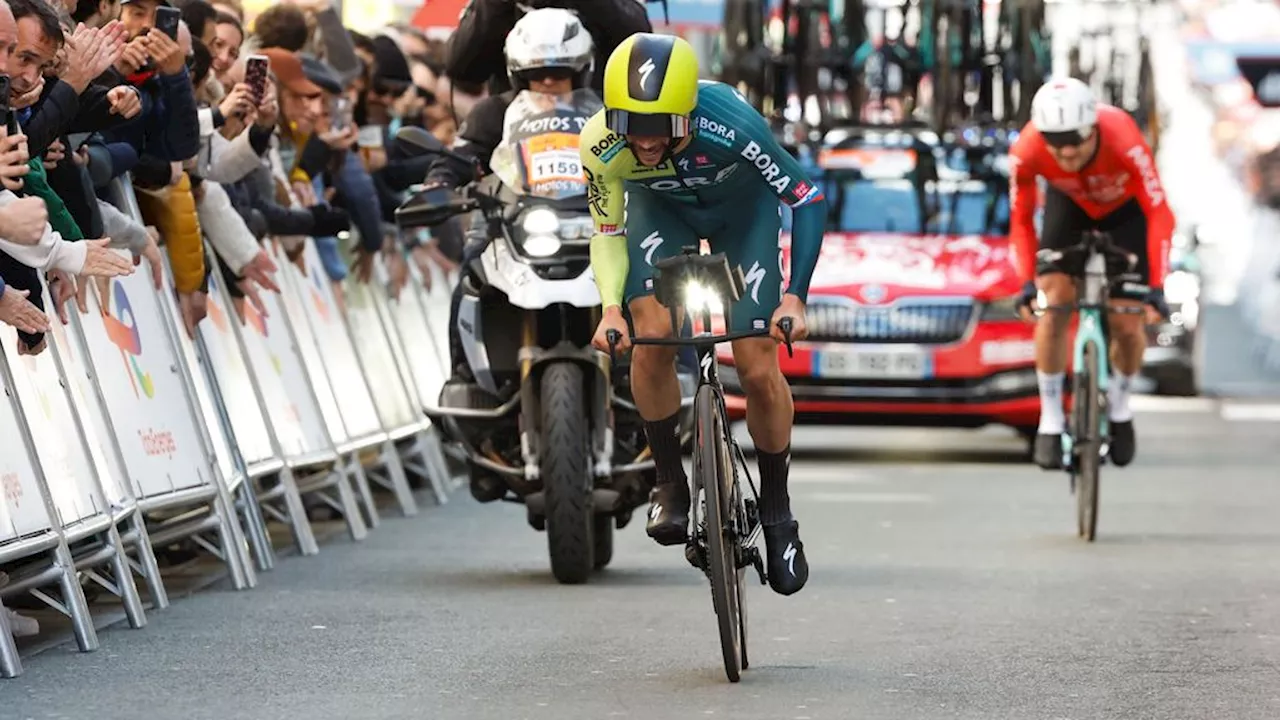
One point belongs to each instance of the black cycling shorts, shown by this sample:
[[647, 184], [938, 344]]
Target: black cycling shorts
[[1065, 223]]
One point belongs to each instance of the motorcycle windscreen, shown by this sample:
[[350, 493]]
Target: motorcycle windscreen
[[538, 155]]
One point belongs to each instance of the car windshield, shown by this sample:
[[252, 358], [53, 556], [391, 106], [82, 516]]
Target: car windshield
[[881, 190]]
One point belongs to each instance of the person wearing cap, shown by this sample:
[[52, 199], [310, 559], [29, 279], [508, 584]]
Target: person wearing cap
[[301, 105]]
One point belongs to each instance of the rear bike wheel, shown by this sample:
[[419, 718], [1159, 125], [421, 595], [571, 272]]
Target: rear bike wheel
[[711, 465], [1088, 445]]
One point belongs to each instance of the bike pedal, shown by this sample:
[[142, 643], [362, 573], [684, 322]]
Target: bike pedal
[[758, 563], [693, 553]]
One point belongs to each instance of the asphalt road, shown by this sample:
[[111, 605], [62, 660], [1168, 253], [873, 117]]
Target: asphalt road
[[947, 583]]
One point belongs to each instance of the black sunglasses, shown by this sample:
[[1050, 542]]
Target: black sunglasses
[[1067, 138]]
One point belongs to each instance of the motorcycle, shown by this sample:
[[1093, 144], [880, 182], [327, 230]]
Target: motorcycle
[[546, 422]]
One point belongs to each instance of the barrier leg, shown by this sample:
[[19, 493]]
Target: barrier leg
[[259, 540], [10, 661], [397, 481], [297, 514], [231, 540], [136, 537], [76, 607], [355, 470], [124, 585], [437, 466], [350, 508]]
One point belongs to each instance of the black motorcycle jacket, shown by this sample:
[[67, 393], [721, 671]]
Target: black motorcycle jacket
[[475, 53], [479, 136]]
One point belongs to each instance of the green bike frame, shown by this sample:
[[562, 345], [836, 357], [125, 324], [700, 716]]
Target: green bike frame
[[1092, 331]]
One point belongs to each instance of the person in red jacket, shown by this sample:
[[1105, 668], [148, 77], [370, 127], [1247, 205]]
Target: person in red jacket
[[1099, 175]]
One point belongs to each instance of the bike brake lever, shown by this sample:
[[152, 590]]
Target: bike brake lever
[[613, 337], [785, 325]]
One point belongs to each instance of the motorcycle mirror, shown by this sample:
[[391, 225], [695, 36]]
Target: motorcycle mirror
[[417, 141], [429, 208]]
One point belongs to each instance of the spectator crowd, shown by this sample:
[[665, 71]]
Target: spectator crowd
[[230, 137]]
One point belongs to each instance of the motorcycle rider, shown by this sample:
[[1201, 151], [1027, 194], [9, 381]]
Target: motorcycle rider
[[473, 48], [548, 51]]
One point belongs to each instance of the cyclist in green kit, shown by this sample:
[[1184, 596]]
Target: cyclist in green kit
[[684, 159]]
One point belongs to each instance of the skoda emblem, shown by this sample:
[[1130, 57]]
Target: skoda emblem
[[873, 293]]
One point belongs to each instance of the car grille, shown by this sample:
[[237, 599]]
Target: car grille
[[908, 320]]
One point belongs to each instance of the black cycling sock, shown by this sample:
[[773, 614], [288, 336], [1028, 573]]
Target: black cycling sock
[[775, 503], [664, 442]]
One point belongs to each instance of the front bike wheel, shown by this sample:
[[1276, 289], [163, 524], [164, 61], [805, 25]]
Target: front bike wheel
[[711, 464], [1088, 445]]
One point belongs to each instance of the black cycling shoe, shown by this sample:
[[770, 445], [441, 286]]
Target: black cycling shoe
[[787, 567], [669, 513], [1124, 444], [1048, 451]]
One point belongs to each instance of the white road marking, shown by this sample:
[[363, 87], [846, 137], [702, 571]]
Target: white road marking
[[1160, 404], [871, 498], [1249, 412]]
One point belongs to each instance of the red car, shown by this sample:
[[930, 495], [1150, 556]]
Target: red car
[[912, 323]]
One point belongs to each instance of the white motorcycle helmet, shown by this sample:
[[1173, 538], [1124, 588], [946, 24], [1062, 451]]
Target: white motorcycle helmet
[[549, 38], [1065, 111]]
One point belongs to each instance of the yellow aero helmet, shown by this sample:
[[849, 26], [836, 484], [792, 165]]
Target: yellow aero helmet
[[651, 86]]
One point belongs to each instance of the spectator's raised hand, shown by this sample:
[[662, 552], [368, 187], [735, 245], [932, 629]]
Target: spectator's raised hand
[[152, 254], [90, 52], [18, 311], [125, 101], [102, 261], [133, 56], [166, 51], [23, 221], [13, 159], [238, 102], [260, 270], [30, 97], [194, 307], [341, 139], [56, 153]]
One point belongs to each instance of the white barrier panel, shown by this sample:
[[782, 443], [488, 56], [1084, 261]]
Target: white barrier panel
[[389, 393], [436, 301], [294, 298], [294, 415], [138, 372], [349, 384], [232, 375], [114, 476], [67, 468], [412, 314], [22, 509]]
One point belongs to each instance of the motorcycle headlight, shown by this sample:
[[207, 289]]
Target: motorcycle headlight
[[1001, 310], [540, 221], [540, 226]]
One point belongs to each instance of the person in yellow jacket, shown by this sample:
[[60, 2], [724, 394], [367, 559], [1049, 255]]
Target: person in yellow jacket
[[172, 210]]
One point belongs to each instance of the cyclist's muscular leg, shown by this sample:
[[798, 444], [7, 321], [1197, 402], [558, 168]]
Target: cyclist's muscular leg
[[656, 392], [1128, 342], [769, 418], [1052, 353]]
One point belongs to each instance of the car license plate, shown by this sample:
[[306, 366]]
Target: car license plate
[[907, 363]]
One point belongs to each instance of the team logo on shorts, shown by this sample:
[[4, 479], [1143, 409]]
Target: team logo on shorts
[[648, 283], [757, 324]]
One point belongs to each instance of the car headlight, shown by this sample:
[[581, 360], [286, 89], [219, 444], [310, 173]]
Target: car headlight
[[698, 297], [1001, 310], [1181, 287]]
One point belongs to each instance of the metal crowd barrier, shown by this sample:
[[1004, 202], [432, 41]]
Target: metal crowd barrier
[[126, 434]]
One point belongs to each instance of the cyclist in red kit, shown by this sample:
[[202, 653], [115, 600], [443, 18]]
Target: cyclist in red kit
[[1100, 175]]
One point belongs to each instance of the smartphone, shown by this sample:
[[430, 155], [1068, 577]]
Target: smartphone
[[340, 113], [255, 76], [167, 19]]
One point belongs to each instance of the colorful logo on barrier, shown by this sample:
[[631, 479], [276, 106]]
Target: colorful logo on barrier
[[217, 315], [317, 296], [254, 319], [122, 330]]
